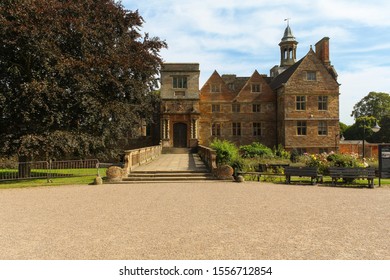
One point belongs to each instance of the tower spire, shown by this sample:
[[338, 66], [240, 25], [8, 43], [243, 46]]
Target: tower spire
[[288, 47]]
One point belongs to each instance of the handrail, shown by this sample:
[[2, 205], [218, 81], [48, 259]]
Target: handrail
[[137, 157]]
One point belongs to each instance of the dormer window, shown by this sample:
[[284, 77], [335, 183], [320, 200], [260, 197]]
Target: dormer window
[[215, 88], [256, 88], [311, 76]]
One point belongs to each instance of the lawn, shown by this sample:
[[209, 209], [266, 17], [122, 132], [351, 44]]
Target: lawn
[[43, 182], [327, 181], [56, 177]]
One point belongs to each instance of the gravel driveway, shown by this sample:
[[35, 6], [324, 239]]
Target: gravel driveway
[[213, 220]]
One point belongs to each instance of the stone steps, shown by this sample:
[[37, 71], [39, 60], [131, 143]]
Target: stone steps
[[167, 150], [171, 176]]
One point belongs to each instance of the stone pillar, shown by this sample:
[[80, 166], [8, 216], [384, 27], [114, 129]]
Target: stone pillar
[[165, 131], [194, 129], [194, 132], [165, 128]]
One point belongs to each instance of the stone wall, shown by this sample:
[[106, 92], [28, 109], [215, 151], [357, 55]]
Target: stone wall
[[298, 85]]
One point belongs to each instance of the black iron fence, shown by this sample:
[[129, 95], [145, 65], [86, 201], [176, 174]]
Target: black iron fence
[[48, 169]]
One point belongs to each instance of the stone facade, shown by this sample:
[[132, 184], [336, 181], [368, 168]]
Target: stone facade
[[238, 109], [297, 106], [179, 104]]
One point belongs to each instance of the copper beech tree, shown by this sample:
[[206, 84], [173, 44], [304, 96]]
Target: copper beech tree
[[75, 76]]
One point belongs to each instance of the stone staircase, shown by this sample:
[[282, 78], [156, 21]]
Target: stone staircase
[[167, 176], [173, 165], [177, 150]]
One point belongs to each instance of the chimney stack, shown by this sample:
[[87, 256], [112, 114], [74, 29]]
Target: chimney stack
[[322, 50]]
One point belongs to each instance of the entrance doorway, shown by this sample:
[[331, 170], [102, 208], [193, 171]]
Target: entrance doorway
[[180, 135]]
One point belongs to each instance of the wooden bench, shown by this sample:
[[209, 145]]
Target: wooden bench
[[352, 173], [311, 172]]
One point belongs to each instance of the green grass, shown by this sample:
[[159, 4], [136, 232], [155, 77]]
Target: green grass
[[43, 182], [58, 177], [327, 181]]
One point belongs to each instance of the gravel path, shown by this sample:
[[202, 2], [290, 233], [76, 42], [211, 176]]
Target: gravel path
[[194, 221]]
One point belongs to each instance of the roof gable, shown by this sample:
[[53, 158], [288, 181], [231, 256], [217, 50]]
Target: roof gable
[[310, 62], [265, 92], [216, 88], [283, 78]]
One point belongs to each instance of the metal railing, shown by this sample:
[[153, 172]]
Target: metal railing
[[49, 169]]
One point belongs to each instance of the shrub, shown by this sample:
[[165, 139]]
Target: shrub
[[226, 151], [256, 150], [344, 160], [281, 153], [320, 161], [324, 161], [238, 164], [294, 156]]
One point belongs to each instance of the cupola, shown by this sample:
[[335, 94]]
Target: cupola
[[288, 48]]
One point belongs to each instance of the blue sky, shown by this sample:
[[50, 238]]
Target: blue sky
[[240, 36]]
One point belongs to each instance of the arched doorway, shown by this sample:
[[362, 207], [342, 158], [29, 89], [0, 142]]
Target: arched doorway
[[179, 135]]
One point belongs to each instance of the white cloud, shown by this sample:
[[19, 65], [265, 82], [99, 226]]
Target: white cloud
[[240, 36], [371, 13], [357, 84]]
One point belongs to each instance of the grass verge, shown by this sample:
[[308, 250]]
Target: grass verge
[[43, 182]]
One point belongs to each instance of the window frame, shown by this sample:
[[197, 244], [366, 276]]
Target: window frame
[[236, 108], [256, 88], [215, 88], [236, 129], [300, 105], [216, 129], [301, 128], [258, 129], [256, 108], [179, 82], [323, 101], [322, 128], [215, 108], [311, 76]]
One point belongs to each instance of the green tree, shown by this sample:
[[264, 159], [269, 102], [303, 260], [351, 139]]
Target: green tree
[[383, 135], [376, 104], [343, 128], [76, 76], [361, 128]]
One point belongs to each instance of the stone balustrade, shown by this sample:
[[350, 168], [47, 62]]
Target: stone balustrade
[[209, 157], [140, 156]]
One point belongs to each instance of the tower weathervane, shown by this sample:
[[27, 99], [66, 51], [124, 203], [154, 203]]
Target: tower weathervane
[[288, 21]]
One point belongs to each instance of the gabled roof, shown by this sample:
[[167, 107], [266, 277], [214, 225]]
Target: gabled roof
[[214, 77], [282, 78], [237, 82], [312, 57]]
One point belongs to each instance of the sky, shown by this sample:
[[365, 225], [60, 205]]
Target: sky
[[241, 36]]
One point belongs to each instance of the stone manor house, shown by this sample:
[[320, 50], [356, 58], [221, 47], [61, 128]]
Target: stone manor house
[[297, 106]]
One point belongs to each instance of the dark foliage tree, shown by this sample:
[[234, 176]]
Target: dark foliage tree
[[376, 104], [343, 128], [75, 76], [383, 135], [363, 128]]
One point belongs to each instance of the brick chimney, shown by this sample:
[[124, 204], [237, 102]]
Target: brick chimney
[[322, 50]]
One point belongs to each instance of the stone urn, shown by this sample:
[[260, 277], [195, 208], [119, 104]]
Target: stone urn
[[114, 174], [240, 179], [98, 181], [224, 172]]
